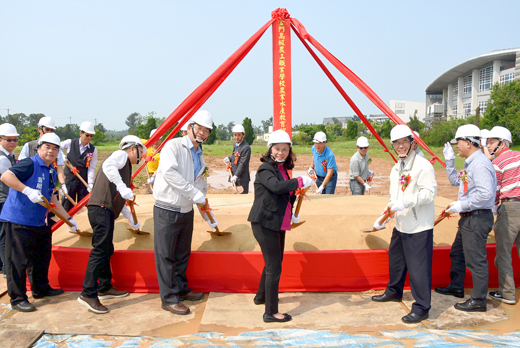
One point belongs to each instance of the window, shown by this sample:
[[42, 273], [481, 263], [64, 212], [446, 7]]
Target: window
[[434, 96], [482, 105], [455, 89], [454, 108], [399, 111], [467, 84], [486, 79], [504, 79], [399, 105], [466, 109]]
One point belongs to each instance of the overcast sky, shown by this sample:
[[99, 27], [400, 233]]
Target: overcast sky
[[103, 60]]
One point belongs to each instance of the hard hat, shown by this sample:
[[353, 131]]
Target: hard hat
[[416, 134], [130, 140], [46, 122], [87, 127], [500, 133], [184, 128], [51, 138], [484, 133], [400, 131], [152, 131], [8, 130], [203, 118], [238, 128], [320, 137], [278, 137], [467, 132], [362, 142]]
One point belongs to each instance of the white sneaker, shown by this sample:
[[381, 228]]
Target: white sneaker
[[496, 295]]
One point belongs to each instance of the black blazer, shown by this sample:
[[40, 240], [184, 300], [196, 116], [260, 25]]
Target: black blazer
[[241, 169], [271, 196]]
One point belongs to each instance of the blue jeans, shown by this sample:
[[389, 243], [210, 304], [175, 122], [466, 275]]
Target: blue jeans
[[357, 188], [331, 185]]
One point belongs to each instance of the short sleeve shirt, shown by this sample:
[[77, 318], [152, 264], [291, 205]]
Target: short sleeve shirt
[[325, 160]]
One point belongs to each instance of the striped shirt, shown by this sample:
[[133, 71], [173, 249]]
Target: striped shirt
[[507, 167]]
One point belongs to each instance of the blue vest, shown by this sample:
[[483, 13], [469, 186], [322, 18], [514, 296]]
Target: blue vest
[[19, 209]]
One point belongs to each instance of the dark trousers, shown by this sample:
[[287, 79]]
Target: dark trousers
[[28, 252], [469, 251], [98, 267], [411, 253], [272, 244], [245, 186], [77, 191], [173, 232], [2, 242]]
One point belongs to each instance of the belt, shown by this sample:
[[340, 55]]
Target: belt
[[322, 177], [475, 212], [511, 199]]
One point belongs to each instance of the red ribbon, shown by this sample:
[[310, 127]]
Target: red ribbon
[[299, 193], [280, 13], [228, 166], [204, 208], [132, 187], [74, 170], [149, 159]]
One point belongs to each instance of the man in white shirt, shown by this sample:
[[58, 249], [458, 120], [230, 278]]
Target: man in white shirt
[[412, 191]]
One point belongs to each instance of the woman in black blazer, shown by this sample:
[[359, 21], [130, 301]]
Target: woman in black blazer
[[271, 216]]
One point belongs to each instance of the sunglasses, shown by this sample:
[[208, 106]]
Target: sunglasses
[[11, 140], [363, 148]]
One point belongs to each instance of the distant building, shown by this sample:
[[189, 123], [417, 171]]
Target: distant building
[[342, 120], [460, 90], [378, 118], [407, 109]]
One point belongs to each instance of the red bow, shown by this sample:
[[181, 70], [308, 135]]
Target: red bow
[[228, 166], [299, 193], [204, 208], [280, 13], [74, 170]]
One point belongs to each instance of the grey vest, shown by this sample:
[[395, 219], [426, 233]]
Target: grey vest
[[4, 189]]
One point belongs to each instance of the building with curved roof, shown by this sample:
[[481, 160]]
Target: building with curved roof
[[466, 86]]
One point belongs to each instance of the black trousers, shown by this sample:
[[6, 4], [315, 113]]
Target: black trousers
[[411, 253], [272, 244], [98, 267], [245, 186], [2, 242], [28, 252], [469, 251], [77, 191], [173, 233]]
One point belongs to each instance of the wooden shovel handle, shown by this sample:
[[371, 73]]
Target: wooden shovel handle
[[132, 210], [68, 197], [201, 207], [300, 200], [47, 205], [234, 184], [68, 164]]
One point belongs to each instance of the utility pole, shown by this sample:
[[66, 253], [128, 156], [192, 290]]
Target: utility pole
[[70, 120], [95, 122]]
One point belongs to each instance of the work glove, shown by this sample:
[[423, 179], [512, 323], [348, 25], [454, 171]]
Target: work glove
[[89, 188], [226, 160], [367, 186], [377, 226], [320, 189], [213, 224], [311, 171], [495, 209], [370, 173], [199, 198], [125, 191], [150, 180], [75, 228], [32, 194], [295, 219], [125, 212], [448, 152], [455, 207], [65, 190], [234, 178], [398, 205], [135, 225], [307, 181]]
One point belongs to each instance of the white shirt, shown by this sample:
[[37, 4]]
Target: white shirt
[[5, 164], [91, 172], [113, 164], [60, 160]]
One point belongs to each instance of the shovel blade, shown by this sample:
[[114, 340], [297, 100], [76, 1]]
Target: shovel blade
[[80, 233], [371, 229], [137, 231], [218, 233], [294, 225]]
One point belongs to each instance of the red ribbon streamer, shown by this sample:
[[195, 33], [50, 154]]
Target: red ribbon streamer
[[74, 170]]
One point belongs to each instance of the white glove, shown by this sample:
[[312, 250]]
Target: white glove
[[75, 228], [199, 198], [213, 225], [398, 205], [370, 173], [89, 188], [495, 209], [125, 212], [133, 225], [311, 171], [234, 178], [367, 186], [64, 188], [455, 207], [448, 152], [307, 181], [32, 194], [150, 180], [377, 226], [125, 191], [295, 219], [320, 189], [226, 160]]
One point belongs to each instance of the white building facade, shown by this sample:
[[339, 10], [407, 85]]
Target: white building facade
[[407, 109]]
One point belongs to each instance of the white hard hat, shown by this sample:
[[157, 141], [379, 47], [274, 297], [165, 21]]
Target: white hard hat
[[152, 131], [87, 127], [400, 131], [184, 128], [484, 133], [130, 140], [362, 142], [8, 130], [51, 138], [416, 134], [46, 122], [238, 128], [203, 118], [467, 132], [500, 133], [320, 137], [278, 137]]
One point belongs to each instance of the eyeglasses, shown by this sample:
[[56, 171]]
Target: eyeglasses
[[89, 135], [401, 143], [10, 140], [47, 130], [363, 148], [202, 130]]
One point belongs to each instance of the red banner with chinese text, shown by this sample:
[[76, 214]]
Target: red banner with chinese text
[[282, 111]]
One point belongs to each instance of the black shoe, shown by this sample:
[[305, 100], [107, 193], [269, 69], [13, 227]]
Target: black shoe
[[24, 306], [497, 296], [413, 318], [268, 318], [472, 305], [450, 291], [192, 296], [50, 292], [258, 301], [385, 298]]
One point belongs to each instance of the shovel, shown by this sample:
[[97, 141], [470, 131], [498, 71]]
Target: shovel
[[74, 170], [231, 175], [68, 197], [204, 209], [301, 197], [150, 187], [443, 215], [385, 216], [134, 216], [48, 205]]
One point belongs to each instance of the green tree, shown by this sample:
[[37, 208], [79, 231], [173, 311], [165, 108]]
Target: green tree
[[266, 124], [415, 124], [212, 136], [148, 123], [385, 128], [504, 108], [221, 132], [28, 134], [132, 121], [69, 131], [352, 130], [249, 132]]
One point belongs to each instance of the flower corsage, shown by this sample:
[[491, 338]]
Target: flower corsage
[[404, 181], [89, 158], [237, 155], [463, 176], [324, 165]]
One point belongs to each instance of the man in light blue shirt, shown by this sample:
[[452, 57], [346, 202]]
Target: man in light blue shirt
[[477, 189], [324, 165]]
